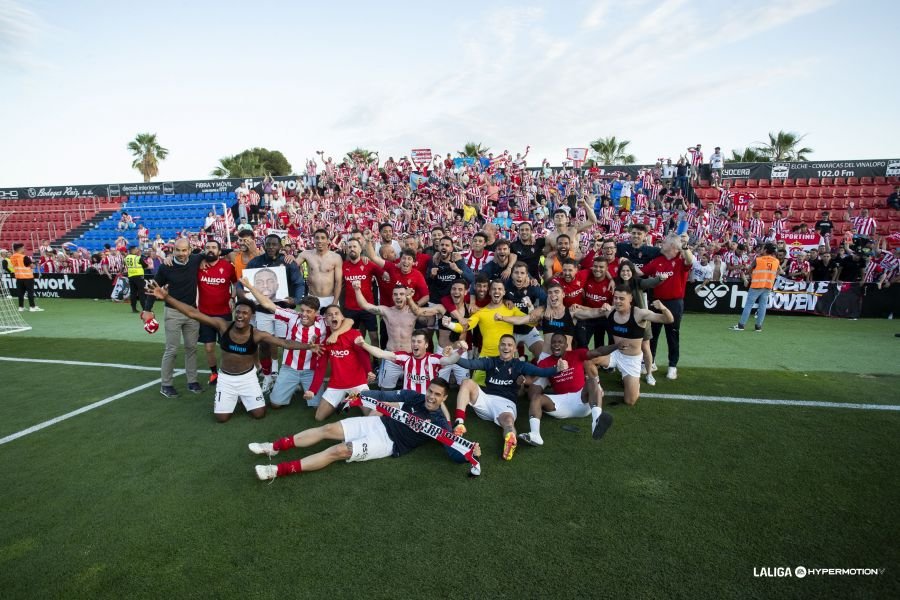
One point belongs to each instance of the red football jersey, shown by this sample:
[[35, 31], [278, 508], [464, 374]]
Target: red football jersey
[[572, 379], [214, 288], [362, 271]]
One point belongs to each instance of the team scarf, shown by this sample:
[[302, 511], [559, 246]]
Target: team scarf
[[419, 425]]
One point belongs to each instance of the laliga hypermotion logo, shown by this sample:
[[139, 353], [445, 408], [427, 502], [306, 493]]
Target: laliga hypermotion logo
[[711, 293]]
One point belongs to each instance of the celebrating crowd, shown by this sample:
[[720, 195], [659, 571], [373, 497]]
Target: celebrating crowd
[[512, 284]]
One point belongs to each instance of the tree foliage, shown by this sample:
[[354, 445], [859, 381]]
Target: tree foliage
[[147, 153], [255, 162], [361, 155], [785, 146], [610, 151], [473, 149]]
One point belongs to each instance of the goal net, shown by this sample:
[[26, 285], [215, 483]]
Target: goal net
[[11, 320]]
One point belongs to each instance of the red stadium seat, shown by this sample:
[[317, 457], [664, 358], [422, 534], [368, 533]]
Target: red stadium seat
[[827, 181], [765, 183], [777, 183], [893, 180], [786, 194], [854, 192], [852, 181], [865, 203], [801, 182], [840, 181], [879, 214], [883, 229], [739, 183], [799, 193], [813, 192], [894, 215], [866, 191], [752, 183], [704, 183], [813, 181], [865, 181], [882, 191]]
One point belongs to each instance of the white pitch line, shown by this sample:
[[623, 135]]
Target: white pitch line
[[83, 409], [735, 400], [77, 363]]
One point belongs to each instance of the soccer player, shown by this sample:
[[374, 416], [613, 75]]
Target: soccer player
[[362, 438], [350, 367], [305, 325], [626, 324], [355, 269], [215, 286], [400, 321], [325, 270], [238, 340], [573, 395], [490, 320], [265, 320], [497, 400]]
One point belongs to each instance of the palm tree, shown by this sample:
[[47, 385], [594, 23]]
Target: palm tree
[[473, 149], [749, 154], [783, 147], [610, 151], [239, 166], [147, 153], [361, 155]]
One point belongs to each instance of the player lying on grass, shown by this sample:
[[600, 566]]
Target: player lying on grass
[[573, 395], [497, 400], [626, 324], [363, 438], [239, 341]]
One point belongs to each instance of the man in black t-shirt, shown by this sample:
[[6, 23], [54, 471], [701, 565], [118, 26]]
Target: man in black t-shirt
[[528, 250], [824, 225], [823, 267], [851, 267]]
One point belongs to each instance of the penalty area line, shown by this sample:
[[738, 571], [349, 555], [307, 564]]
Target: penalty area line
[[767, 401], [83, 409], [76, 363]]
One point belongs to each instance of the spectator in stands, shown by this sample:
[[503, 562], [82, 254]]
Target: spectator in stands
[[824, 227], [716, 164], [893, 201], [850, 267], [798, 267], [681, 176], [696, 160], [126, 222]]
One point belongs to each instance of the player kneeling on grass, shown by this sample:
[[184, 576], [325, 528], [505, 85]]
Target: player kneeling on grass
[[573, 395], [626, 324], [497, 400], [239, 341], [363, 438]]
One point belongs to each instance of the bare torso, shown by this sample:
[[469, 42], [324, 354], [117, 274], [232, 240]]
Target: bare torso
[[400, 323], [322, 269]]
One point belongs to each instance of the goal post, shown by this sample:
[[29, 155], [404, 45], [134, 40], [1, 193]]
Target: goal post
[[11, 320]]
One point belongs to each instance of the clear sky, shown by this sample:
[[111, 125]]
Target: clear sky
[[211, 79]]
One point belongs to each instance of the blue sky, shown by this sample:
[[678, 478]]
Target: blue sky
[[211, 79]]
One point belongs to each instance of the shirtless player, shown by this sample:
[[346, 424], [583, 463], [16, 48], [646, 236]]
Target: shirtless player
[[562, 224], [325, 276]]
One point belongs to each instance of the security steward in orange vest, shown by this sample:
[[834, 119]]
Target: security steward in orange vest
[[23, 271], [765, 269]]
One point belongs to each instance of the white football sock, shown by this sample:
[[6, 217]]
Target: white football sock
[[535, 427], [595, 414]]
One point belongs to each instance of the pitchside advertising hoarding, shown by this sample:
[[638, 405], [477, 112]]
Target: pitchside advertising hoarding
[[827, 298], [63, 285]]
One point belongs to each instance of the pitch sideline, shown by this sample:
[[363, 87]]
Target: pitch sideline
[[83, 409]]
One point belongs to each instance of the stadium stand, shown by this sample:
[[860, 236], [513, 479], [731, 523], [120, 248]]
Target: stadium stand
[[40, 220], [166, 215]]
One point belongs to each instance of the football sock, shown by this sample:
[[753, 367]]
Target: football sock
[[289, 468], [274, 366], [595, 414], [460, 415], [214, 369], [285, 443], [535, 426], [265, 365]]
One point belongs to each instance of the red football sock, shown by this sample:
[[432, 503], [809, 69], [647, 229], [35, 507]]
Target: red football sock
[[285, 443], [265, 365], [289, 468], [460, 414]]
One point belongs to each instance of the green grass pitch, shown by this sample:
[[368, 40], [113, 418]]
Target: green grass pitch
[[147, 497]]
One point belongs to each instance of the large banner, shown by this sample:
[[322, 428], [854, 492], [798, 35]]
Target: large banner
[[62, 285], [832, 299]]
